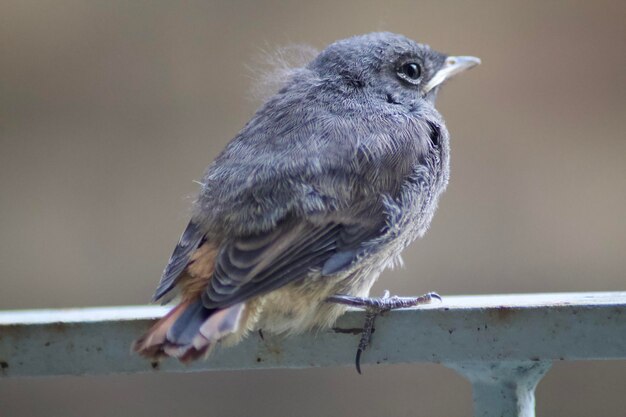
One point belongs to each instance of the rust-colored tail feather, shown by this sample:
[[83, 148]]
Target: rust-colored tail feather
[[188, 331]]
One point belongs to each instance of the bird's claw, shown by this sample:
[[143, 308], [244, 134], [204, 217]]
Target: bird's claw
[[435, 296], [373, 308]]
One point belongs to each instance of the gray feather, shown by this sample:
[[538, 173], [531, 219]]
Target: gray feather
[[186, 326], [191, 238]]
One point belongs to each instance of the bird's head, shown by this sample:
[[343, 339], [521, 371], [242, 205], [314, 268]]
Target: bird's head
[[388, 66]]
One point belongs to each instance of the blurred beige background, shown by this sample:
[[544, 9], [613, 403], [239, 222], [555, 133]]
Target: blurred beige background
[[109, 110]]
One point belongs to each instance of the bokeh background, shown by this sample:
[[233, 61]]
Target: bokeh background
[[109, 110]]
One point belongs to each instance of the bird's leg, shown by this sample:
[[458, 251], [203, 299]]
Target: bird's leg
[[373, 308]]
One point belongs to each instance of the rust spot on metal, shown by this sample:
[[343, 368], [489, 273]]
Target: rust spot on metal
[[504, 313], [58, 327], [352, 330]]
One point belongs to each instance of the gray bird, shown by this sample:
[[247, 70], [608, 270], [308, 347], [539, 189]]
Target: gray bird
[[321, 191]]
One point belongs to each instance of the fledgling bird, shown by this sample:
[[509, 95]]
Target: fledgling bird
[[331, 179]]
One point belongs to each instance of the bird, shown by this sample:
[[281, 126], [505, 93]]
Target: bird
[[321, 190]]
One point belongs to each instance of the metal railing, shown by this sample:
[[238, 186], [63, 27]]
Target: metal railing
[[504, 344]]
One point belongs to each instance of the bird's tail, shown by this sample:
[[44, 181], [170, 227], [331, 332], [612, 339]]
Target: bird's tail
[[188, 331]]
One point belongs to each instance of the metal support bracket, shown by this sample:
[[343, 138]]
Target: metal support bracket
[[503, 389]]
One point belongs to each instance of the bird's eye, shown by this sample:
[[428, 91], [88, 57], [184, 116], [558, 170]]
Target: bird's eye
[[411, 71]]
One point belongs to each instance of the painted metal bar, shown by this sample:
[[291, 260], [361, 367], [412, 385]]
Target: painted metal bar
[[529, 328], [503, 344]]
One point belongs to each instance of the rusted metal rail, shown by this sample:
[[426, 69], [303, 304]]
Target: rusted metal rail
[[503, 344]]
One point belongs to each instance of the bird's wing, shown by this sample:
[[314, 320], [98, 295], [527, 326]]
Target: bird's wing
[[189, 242], [254, 265]]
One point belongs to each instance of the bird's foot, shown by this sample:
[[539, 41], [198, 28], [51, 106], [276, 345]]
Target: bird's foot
[[373, 308]]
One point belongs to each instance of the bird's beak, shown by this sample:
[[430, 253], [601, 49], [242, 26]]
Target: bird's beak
[[451, 67]]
